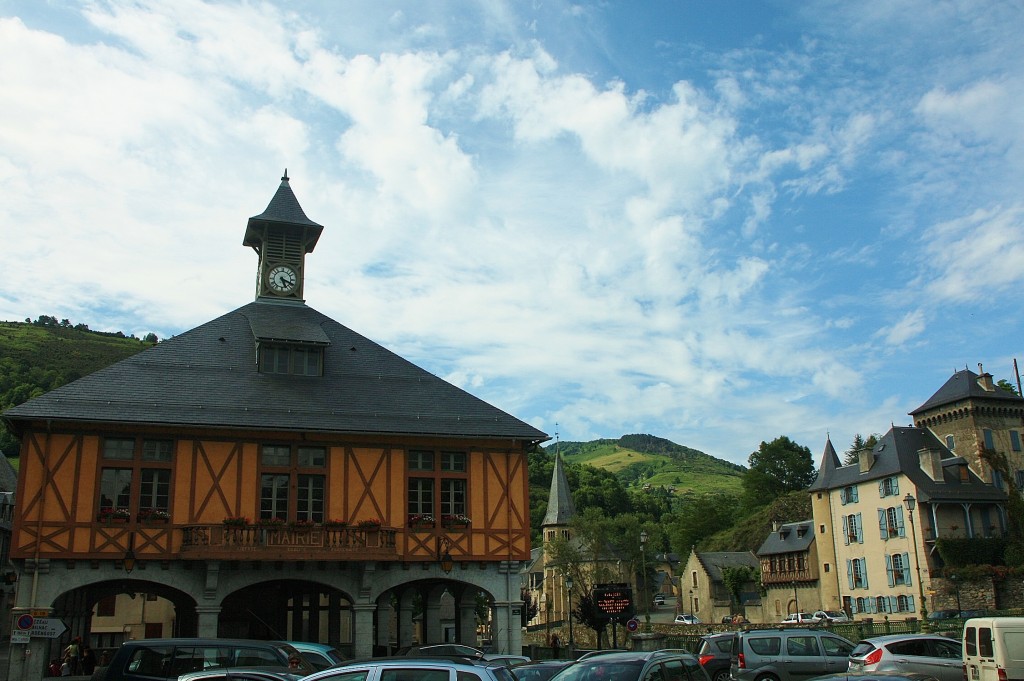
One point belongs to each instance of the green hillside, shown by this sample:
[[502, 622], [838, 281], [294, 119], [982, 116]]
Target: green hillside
[[641, 460], [36, 357]]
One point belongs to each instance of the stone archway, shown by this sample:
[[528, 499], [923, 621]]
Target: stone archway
[[289, 610]]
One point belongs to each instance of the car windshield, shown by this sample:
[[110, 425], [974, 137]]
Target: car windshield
[[833, 613], [601, 670]]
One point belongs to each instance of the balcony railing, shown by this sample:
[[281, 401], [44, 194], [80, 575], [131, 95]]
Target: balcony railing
[[287, 543], [786, 576]]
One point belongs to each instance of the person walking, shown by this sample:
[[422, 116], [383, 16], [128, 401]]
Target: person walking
[[87, 660]]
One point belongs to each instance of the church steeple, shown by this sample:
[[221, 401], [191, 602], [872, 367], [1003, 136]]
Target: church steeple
[[281, 235], [560, 507]]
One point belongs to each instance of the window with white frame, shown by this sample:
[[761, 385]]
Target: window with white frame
[[890, 522], [857, 573], [888, 487], [897, 567], [848, 495], [853, 530]]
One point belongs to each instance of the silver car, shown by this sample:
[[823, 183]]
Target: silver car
[[936, 656]]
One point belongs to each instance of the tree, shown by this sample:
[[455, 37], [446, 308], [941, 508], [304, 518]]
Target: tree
[[699, 516], [735, 578], [851, 455], [777, 467], [1007, 386]]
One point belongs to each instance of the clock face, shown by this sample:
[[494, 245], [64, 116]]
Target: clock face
[[282, 279]]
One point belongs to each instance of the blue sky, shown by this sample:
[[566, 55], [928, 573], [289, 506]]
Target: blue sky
[[715, 222]]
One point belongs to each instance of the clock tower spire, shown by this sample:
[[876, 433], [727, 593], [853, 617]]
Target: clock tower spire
[[281, 235]]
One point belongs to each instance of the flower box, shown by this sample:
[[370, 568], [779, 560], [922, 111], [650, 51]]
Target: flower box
[[455, 522], [113, 515], [153, 516]]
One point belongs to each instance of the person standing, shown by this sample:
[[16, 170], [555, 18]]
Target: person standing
[[87, 660]]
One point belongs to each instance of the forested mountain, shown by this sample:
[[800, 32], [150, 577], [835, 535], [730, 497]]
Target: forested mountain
[[653, 462], [36, 357]]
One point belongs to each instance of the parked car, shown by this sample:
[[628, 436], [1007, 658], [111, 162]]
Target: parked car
[[540, 670], [788, 654], [152, 659], [418, 668], [595, 653], [936, 656], [799, 618], [635, 666], [687, 619], [318, 655], [714, 652], [442, 650], [507, 660], [830, 617], [875, 676], [242, 674], [659, 599]]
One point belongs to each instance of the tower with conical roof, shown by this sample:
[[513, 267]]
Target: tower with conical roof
[[972, 416], [281, 235], [560, 507], [822, 512]]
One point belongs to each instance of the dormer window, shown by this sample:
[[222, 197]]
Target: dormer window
[[300, 360]]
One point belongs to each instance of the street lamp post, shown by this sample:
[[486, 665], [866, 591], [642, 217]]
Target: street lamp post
[[643, 568], [910, 502], [956, 585], [568, 587], [796, 601], [691, 602]]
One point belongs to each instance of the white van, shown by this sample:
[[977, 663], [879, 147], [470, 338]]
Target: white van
[[994, 649]]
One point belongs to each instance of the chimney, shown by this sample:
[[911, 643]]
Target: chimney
[[931, 463], [985, 380], [866, 457], [775, 526]]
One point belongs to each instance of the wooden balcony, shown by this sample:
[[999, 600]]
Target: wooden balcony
[[222, 542], [787, 576]]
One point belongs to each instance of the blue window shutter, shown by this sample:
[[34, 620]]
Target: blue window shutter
[[860, 530], [895, 486], [882, 529], [881, 487], [906, 569], [899, 520], [910, 604], [888, 570], [856, 496], [864, 570], [853, 606], [846, 530], [849, 571]]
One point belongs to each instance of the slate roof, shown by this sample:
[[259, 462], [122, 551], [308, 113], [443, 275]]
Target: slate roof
[[897, 452], [964, 385], [207, 377], [283, 210], [560, 506], [788, 539], [714, 561]]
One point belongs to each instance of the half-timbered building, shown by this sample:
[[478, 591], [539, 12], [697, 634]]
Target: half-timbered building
[[273, 474]]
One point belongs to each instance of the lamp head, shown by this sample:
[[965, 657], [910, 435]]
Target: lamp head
[[909, 501]]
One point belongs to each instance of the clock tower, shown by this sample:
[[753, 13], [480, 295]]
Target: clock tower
[[281, 235]]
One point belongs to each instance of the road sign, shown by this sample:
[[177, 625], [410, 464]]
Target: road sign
[[48, 627], [19, 636], [633, 624], [24, 622]]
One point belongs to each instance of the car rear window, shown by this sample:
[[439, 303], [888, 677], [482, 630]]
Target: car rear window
[[770, 645], [913, 647], [147, 661], [862, 649], [985, 642], [413, 674]]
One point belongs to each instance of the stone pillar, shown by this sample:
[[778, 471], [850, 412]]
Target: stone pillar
[[432, 632], [363, 646], [465, 625], [385, 615], [508, 630], [208, 616]]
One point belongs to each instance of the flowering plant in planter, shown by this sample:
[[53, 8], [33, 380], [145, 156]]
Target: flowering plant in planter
[[236, 521], [369, 524], [335, 523], [303, 524], [457, 520], [107, 514], [153, 515], [421, 520], [271, 522]]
